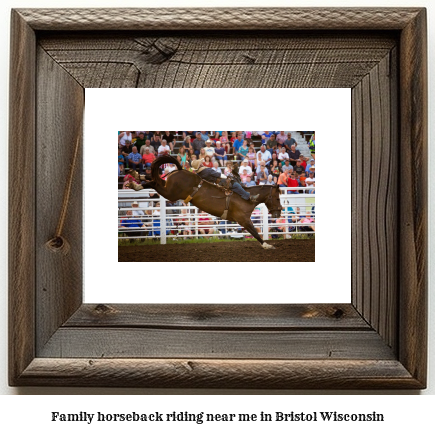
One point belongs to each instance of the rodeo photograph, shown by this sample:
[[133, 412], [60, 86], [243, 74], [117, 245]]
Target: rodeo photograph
[[216, 196]]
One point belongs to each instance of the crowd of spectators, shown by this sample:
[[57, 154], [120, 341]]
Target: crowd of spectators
[[263, 157]]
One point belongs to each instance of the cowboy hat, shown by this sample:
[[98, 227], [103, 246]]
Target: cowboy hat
[[196, 164]]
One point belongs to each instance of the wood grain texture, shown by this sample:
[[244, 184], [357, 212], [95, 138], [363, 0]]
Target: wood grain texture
[[375, 198], [21, 205], [230, 374], [379, 342], [60, 105], [126, 342], [232, 61], [220, 317], [219, 18], [413, 198]]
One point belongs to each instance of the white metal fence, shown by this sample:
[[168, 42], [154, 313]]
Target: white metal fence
[[160, 219]]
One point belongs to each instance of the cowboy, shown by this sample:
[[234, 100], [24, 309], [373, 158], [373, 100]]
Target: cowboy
[[212, 176]]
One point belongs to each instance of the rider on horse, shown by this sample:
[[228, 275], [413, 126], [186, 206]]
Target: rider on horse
[[213, 176]]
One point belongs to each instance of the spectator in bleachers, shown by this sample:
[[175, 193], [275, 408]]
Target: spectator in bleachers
[[146, 145], [216, 167], [164, 149], [124, 136], [265, 155], [250, 182], [292, 182], [209, 150], [286, 165], [183, 222], [121, 161], [204, 220], [187, 145], [204, 136], [293, 155], [275, 170], [186, 165], [309, 164], [170, 139], [303, 162], [283, 179], [156, 142], [262, 174], [307, 221], [245, 166], [270, 180], [148, 157], [252, 157], [224, 138], [207, 162], [281, 138], [137, 212], [216, 137], [220, 154], [228, 168], [243, 151], [282, 156], [202, 154], [233, 137], [281, 229], [272, 144], [140, 141], [265, 137], [126, 150], [274, 158], [310, 181], [148, 176], [135, 160], [289, 142], [301, 180], [244, 176], [191, 134], [198, 144], [237, 144], [166, 172], [131, 223], [298, 168], [313, 191]]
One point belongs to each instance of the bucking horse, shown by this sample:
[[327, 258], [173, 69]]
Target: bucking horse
[[215, 200]]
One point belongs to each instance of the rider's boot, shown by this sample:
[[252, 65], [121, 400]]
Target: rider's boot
[[254, 198]]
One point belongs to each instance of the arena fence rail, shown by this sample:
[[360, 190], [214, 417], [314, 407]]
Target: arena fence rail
[[158, 219]]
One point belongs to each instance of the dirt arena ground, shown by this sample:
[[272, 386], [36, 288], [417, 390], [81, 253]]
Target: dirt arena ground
[[236, 251]]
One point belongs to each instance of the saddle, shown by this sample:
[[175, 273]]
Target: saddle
[[225, 189]]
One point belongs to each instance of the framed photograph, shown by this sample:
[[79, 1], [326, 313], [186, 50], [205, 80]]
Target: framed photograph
[[377, 341]]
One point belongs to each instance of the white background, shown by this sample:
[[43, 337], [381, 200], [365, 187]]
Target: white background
[[20, 411], [325, 111]]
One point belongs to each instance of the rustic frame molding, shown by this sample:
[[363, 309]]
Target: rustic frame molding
[[377, 341]]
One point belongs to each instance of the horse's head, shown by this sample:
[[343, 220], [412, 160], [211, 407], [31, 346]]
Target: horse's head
[[273, 202]]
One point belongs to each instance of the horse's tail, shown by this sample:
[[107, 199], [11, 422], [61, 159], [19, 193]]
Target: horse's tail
[[155, 166]]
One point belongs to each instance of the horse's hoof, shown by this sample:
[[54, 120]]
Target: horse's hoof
[[267, 246]]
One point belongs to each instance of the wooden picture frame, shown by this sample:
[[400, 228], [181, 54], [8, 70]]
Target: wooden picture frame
[[377, 341]]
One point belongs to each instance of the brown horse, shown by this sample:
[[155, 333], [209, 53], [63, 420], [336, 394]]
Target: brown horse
[[180, 184]]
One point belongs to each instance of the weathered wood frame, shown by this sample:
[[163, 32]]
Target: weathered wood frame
[[377, 341]]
